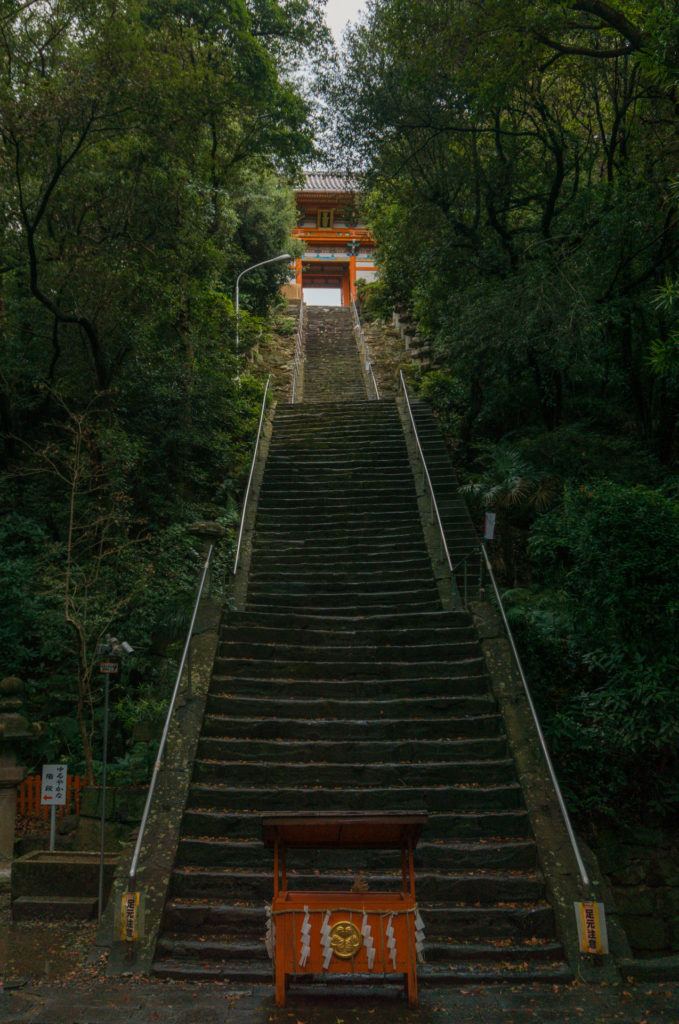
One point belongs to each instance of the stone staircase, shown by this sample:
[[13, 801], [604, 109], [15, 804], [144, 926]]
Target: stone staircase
[[332, 369], [344, 684]]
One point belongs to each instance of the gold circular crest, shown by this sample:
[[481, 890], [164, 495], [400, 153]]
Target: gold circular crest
[[345, 939]]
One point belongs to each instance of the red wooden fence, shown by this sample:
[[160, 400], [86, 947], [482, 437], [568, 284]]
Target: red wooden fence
[[28, 797]]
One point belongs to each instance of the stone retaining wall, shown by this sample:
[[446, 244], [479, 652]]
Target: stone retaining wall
[[643, 868]]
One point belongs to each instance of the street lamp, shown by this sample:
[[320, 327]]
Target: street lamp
[[274, 259], [110, 654]]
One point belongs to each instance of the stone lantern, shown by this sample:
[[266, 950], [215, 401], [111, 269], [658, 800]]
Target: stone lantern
[[14, 729]]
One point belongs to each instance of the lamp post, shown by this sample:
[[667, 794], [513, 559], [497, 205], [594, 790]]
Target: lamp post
[[110, 654], [263, 263]]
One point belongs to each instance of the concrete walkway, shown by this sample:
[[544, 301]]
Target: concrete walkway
[[93, 1000]]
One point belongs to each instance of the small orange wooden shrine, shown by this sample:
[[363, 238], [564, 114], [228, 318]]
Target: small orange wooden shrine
[[347, 933]]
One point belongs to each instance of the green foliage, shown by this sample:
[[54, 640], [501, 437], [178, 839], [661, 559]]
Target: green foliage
[[146, 151], [374, 301], [600, 643], [446, 394], [523, 195]]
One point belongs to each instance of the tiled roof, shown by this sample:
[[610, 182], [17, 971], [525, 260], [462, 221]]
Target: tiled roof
[[330, 181]]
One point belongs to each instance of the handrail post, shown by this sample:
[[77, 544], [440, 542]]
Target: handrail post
[[362, 346], [299, 347], [249, 484]]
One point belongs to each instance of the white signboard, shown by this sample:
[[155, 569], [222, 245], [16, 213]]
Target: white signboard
[[53, 789], [489, 525]]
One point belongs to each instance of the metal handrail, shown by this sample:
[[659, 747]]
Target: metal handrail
[[363, 348], [249, 485], [299, 350], [166, 728], [512, 643], [186, 658], [434, 503], [543, 743]]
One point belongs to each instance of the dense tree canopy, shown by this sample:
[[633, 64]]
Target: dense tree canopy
[[146, 148], [521, 161]]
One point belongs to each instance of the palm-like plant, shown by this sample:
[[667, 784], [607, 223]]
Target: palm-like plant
[[514, 489]]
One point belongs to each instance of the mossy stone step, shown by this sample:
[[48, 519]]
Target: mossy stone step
[[206, 851], [310, 773], [520, 922], [448, 825], [354, 689], [344, 669], [366, 798], [343, 751], [418, 654], [338, 583], [399, 620], [479, 887], [220, 721], [326, 634]]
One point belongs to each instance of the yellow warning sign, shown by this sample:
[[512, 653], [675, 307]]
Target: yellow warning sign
[[130, 917], [591, 918]]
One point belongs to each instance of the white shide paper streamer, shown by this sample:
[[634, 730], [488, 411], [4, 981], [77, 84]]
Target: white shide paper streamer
[[270, 935], [391, 940], [325, 941], [366, 932], [306, 939], [419, 937]]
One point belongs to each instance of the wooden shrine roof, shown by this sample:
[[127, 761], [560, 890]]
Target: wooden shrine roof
[[330, 181], [344, 830]]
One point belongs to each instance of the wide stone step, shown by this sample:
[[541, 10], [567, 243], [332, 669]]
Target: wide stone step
[[400, 537], [54, 908], [353, 986], [353, 689], [218, 722], [421, 773], [340, 547], [325, 709], [294, 434], [316, 523], [333, 501], [202, 851], [235, 971], [326, 635], [366, 798], [338, 584], [343, 669], [183, 948], [520, 922], [275, 604], [235, 947], [355, 623], [373, 455], [487, 887], [413, 562], [358, 510], [287, 479], [446, 825], [418, 654], [341, 752]]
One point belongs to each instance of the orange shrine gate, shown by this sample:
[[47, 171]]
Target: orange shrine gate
[[339, 246]]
